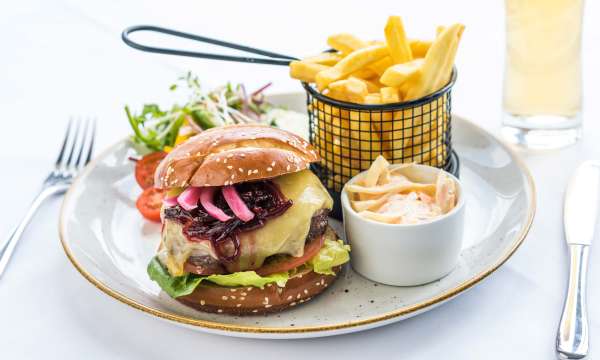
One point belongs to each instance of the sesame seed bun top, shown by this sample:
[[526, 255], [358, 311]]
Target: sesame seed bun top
[[232, 154]]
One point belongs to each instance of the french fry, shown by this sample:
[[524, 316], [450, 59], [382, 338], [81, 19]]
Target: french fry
[[380, 66], [397, 75], [419, 48], [440, 55], [326, 58], [446, 70], [345, 43], [395, 36], [365, 74], [351, 63], [373, 99], [372, 87], [353, 89], [305, 71], [389, 95]]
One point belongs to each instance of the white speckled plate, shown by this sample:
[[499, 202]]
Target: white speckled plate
[[110, 244]]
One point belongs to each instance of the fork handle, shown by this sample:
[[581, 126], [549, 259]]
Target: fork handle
[[10, 244], [572, 337]]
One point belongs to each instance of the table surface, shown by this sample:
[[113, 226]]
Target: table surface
[[64, 58]]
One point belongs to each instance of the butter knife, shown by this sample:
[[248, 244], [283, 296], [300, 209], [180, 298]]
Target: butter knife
[[581, 209]]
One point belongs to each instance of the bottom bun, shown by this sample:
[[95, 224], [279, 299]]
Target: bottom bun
[[246, 300]]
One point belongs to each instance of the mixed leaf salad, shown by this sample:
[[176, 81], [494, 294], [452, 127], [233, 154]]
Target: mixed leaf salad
[[157, 129]]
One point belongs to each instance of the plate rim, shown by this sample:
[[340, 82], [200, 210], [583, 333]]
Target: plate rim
[[233, 328]]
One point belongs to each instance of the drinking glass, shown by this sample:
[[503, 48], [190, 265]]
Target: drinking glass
[[542, 79]]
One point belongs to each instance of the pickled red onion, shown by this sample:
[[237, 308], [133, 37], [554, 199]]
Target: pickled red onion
[[236, 204], [188, 199], [170, 201], [206, 199]]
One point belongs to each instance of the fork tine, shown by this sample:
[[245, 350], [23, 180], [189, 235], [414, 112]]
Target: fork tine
[[84, 139], [73, 144], [64, 144], [91, 147]]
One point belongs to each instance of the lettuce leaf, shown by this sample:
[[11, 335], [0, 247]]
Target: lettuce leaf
[[332, 254], [177, 286]]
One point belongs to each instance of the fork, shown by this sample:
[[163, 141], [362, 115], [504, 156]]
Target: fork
[[75, 153]]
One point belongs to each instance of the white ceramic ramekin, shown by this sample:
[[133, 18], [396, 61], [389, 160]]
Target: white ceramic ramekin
[[405, 254]]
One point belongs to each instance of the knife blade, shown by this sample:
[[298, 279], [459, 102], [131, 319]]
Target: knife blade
[[581, 209], [581, 204]]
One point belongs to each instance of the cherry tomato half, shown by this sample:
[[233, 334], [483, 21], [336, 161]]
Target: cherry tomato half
[[145, 168], [149, 203]]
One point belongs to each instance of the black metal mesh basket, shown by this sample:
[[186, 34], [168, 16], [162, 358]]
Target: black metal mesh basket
[[350, 136]]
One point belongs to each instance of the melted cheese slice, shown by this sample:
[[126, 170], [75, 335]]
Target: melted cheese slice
[[285, 234]]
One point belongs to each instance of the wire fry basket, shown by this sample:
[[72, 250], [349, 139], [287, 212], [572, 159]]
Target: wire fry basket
[[349, 136]]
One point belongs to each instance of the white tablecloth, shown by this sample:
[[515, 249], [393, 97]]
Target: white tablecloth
[[61, 58]]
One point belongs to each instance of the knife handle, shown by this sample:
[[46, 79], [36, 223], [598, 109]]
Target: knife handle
[[572, 337]]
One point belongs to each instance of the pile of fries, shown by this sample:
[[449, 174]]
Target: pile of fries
[[376, 73], [392, 196]]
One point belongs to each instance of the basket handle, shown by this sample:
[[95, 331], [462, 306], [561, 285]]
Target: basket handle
[[270, 58]]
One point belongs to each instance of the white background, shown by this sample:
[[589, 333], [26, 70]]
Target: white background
[[61, 58]]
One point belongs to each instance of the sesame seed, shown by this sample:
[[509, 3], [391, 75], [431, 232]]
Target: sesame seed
[[289, 297], [287, 168], [255, 171], [301, 301], [242, 298], [305, 291], [206, 184], [249, 172], [254, 311], [224, 161], [269, 169], [232, 290], [202, 302], [232, 176], [322, 281], [293, 304], [269, 285], [229, 167], [241, 170], [266, 300], [273, 163], [268, 306], [220, 310], [249, 289], [224, 297], [298, 296], [238, 305], [317, 283], [233, 297], [244, 294]]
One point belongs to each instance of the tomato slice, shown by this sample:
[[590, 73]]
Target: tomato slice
[[145, 168], [149, 203], [285, 263]]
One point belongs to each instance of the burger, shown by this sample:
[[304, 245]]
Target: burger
[[244, 222]]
